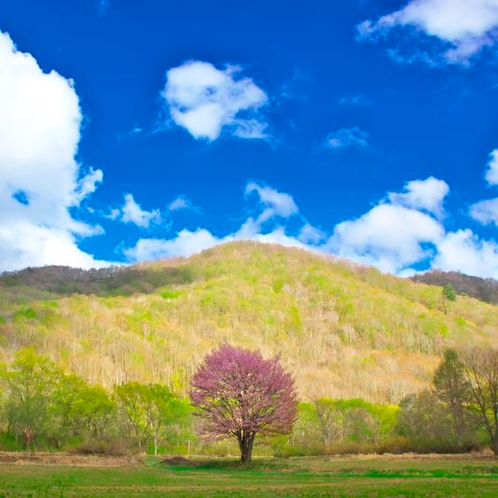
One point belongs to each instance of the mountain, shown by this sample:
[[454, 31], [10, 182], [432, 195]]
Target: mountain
[[484, 289], [343, 330]]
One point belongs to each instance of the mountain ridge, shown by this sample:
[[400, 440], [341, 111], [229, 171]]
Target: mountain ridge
[[483, 289]]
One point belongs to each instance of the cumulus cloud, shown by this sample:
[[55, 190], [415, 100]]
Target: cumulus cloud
[[180, 203], [426, 195], [485, 212], [40, 181], [347, 137], [205, 101], [36, 245], [398, 233], [184, 244], [406, 230], [451, 31], [492, 171], [87, 185], [311, 235], [463, 251], [187, 242], [402, 233], [275, 203], [131, 212], [390, 237]]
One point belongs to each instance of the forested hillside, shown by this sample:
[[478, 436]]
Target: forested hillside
[[344, 331], [484, 289]]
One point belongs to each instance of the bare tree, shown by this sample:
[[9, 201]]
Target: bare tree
[[453, 389], [481, 370]]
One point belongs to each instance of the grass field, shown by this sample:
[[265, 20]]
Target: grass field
[[408, 476]]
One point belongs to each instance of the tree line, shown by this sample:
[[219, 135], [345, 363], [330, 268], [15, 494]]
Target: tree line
[[237, 395], [42, 407]]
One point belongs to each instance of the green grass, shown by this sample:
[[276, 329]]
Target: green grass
[[303, 477]]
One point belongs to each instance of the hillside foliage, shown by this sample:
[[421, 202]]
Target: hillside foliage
[[484, 289], [343, 330]]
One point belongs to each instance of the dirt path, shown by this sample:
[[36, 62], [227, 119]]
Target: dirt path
[[68, 459]]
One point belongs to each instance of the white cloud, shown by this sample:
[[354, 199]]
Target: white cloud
[[390, 237], [250, 129], [397, 235], [455, 30], [463, 251], [131, 212], [180, 203], [492, 171], [35, 245], [485, 212], [272, 204], [275, 203], [205, 100], [311, 235], [347, 137], [39, 178], [426, 195], [114, 214], [184, 244], [277, 236], [87, 185]]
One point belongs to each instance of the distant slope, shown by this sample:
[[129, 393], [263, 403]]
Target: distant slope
[[343, 330], [114, 280], [484, 289]]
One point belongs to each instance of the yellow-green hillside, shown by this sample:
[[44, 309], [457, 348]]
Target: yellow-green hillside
[[341, 329]]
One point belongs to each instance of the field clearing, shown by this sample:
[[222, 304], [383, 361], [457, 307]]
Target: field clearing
[[49, 475]]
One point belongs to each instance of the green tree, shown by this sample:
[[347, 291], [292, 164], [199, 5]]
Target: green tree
[[43, 405], [30, 382], [448, 296], [306, 436], [66, 397], [354, 420], [449, 292], [93, 411], [333, 422], [151, 412]]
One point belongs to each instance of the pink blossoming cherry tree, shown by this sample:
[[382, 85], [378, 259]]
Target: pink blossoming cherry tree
[[240, 394]]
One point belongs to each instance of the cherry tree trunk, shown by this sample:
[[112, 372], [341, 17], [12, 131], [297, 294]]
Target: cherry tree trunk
[[246, 443]]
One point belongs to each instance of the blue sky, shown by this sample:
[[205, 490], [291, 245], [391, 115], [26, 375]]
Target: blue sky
[[365, 129]]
